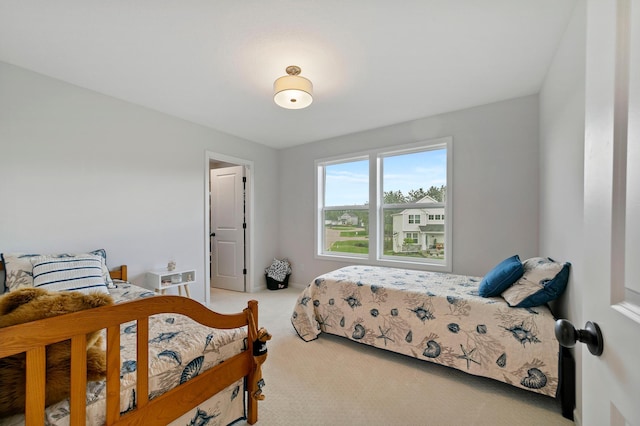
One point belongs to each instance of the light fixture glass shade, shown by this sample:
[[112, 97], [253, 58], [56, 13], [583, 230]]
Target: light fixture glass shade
[[293, 91]]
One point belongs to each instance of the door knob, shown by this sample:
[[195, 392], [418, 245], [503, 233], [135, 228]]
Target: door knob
[[213, 234], [567, 335]]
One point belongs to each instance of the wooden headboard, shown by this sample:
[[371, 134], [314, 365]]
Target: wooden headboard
[[119, 273]]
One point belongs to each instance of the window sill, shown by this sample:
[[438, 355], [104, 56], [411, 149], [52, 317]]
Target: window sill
[[387, 262]]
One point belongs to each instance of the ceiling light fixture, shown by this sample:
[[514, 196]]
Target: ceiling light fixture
[[292, 91]]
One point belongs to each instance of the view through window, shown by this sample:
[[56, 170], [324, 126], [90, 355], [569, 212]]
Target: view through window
[[346, 207], [407, 220]]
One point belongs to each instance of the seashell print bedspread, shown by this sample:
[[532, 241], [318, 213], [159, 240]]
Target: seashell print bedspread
[[179, 348], [435, 317]]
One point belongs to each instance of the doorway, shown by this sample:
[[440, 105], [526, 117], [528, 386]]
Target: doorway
[[228, 207]]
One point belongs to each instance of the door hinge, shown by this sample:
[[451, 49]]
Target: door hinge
[[244, 271], [244, 225]]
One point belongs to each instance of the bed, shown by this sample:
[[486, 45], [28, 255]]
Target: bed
[[436, 317], [215, 378]]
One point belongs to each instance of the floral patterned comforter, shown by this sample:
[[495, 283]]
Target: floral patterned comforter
[[179, 348], [435, 317]]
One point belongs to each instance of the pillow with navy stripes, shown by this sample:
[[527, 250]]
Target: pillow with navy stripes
[[81, 273], [19, 267]]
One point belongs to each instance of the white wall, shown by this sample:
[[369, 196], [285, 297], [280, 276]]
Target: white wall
[[495, 184], [80, 171], [562, 124]]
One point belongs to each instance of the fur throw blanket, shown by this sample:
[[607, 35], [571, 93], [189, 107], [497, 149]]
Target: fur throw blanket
[[30, 304]]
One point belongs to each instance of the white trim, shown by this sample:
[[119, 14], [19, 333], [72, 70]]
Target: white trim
[[375, 156], [248, 164]]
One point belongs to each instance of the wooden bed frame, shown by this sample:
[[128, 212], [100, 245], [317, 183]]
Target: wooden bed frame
[[34, 336]]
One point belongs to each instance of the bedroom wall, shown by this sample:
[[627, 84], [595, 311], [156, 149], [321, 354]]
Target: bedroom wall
[[562, 124], [80, 171], [495, 184]]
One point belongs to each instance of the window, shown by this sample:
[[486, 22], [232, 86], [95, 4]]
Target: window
[[345, 217], [411, 237], [370, 206]]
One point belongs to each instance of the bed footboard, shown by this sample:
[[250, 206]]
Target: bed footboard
[[32, 338]]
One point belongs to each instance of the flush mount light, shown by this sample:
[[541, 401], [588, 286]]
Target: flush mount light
[[292, 91]]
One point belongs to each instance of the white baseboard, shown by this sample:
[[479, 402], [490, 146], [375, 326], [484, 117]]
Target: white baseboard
[[576, 417]]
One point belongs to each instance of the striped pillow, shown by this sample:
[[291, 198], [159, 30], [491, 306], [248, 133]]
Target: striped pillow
[[78, 273], [19, 267]]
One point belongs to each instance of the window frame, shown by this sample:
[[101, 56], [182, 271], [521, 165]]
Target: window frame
[[375, 209]]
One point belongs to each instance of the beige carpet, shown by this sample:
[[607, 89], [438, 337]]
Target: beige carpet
[[334, 381]]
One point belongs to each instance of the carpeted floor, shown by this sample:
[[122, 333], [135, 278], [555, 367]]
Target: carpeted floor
[[334, 381]]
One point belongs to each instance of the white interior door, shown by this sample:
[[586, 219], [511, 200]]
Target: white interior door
[[611, 382], [227, 220]]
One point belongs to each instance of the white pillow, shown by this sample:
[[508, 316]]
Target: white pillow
[[77, 273], [18, 267]]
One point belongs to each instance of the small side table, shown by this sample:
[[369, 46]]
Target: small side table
[[163, 279]]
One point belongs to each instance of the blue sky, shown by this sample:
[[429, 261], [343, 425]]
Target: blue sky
[[348, 183]]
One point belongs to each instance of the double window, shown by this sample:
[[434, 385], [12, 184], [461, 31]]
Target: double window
[[411, 237], [386, 207]]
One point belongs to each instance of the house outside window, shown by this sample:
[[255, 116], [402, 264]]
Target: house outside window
[[409, 188]]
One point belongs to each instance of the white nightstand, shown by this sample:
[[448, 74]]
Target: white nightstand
[[163, 279]]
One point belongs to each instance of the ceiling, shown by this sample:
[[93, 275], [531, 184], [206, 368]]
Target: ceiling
[[372, 63]]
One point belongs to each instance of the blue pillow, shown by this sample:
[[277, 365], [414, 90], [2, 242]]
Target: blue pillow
[[543, 280], [503, 275]]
